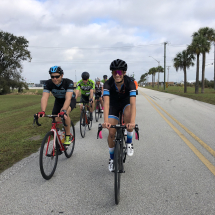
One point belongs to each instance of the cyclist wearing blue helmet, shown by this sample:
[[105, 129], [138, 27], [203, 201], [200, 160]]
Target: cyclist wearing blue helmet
[[63, 91]]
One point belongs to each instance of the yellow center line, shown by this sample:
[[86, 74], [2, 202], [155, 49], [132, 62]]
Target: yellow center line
[[208, 148], [189, 144]]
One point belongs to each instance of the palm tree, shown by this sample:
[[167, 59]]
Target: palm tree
[[152, 72], [209, 34], [159, 69], [143, 77], [184, 61], [198, 46]]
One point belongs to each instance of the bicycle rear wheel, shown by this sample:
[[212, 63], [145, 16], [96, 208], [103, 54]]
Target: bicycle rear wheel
[[83, 124], [117, 174], [69, 149], [48, 155]]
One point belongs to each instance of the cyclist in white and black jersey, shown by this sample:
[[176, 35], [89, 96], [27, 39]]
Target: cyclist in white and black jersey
[[99, 91]]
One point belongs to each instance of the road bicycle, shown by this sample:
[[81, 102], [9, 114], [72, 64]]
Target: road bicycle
[[85, 119], [52, 146], [120, 152], [98, 110]]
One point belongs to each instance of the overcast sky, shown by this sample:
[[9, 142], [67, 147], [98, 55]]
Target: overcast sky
[[87, 35]]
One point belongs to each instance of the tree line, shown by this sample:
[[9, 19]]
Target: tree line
[[200, 45], [13, 50]]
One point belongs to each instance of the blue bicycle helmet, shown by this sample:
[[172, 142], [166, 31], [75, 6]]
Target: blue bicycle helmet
[[56, 69]]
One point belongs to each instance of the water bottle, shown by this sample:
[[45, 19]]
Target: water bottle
[[62, 135], [88, 114]]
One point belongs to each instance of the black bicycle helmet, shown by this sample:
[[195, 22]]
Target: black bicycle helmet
[[85, 75], [105, 76], [118, 64], [56, 69]]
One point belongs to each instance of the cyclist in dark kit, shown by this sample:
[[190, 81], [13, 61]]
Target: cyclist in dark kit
[[63, 91]]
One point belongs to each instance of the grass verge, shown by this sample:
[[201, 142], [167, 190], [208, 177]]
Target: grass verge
[[208, 96], [18, 137]]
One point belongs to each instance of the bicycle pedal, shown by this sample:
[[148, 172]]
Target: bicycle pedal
[[121, 171]]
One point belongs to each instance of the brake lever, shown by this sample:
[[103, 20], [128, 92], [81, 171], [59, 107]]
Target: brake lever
[[36, 119], [99, 129], [137, 131]]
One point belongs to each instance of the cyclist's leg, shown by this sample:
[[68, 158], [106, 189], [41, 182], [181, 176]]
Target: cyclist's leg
[[56, 110], [113, 119], [68, 120], [111, 143], [127, 119], [93, 104], [101, 100], [81, 100]]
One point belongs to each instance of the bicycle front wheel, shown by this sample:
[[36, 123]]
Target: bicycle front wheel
[[117, 174], [48, 155], [82, 124], [89, 124], [69, 149]]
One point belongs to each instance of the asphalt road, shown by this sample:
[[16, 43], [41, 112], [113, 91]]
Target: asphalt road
[[172, 170]]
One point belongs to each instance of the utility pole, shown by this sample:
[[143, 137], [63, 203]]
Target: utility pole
[[168, 74], [165, 64], [214, 65]]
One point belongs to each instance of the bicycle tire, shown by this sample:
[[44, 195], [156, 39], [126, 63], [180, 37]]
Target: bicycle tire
[[69, 149], [89, 123], [47, 145], [117, 174], [98, 111], [83, 124]]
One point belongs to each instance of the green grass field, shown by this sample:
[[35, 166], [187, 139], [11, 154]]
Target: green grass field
[[208, 96], [16, 126]]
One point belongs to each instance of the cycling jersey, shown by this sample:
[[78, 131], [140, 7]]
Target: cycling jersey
[[136, 84], [59, 91], [117, 97], [98, 88], [85, 88], [103, 81]]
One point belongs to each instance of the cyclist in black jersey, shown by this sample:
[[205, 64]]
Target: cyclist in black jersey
[[63, 91], [119, 95]]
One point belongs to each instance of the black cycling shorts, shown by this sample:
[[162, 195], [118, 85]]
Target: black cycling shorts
[[98, 95], [84, 98], [114, 110], [58, 105]]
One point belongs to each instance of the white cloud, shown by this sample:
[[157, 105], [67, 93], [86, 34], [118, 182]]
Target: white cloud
[[93, 25]]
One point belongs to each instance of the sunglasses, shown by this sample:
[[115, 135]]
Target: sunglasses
[[119, 72], [57, 76]]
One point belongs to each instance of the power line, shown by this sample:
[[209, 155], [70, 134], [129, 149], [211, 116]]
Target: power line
[[117, 47]]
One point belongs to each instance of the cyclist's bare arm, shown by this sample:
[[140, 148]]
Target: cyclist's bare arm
[[67, 102], [106, 111], [91, 94], [133, 112], [44, 101], [76, 92]]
